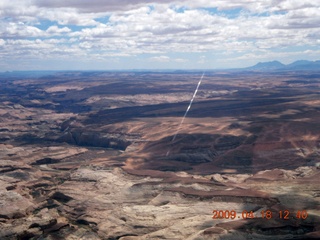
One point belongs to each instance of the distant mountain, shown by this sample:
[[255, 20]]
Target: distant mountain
[[299, 65], [304, 65], [24, 74], [267, 65]]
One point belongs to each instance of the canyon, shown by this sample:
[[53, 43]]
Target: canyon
[[92, 155]]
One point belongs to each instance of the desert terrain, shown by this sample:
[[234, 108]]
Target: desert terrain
[[93, 155]]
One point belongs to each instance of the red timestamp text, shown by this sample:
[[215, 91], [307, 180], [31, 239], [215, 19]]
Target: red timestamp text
[[265, 214]]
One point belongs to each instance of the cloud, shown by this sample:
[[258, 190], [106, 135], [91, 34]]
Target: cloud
[[18, 30], [295, 4], [167, 59], [56, 30], [99, 5], [160, 59], [2, 42], [180, 60], [68, 17], [102, 29]]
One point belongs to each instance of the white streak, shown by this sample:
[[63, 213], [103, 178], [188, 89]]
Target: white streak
[[185, 114]]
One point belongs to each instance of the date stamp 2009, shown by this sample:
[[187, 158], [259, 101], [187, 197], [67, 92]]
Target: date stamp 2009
[[265, 214]]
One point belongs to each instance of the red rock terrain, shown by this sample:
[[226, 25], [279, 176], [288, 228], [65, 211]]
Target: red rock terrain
[[93, 156]]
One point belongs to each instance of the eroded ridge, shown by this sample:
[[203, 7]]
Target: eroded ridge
[[85, 157]]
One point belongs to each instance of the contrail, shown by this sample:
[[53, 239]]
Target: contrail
[[185, 114]]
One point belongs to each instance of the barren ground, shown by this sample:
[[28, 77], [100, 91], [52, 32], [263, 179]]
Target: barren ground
[[92, 155]]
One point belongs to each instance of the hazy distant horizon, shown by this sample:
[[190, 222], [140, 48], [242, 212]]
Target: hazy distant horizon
[[146, 69]]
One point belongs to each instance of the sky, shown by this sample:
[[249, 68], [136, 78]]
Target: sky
[[156, 34]]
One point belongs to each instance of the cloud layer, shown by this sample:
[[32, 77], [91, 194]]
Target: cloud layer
[[177, 34]]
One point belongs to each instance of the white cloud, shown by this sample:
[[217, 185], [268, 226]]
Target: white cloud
[[69, 17], [180, 60], [160, 59], [2, 42], [109, 28], [18, 30], [99, 5], [167, 59], [295, 4], [56, 30]]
